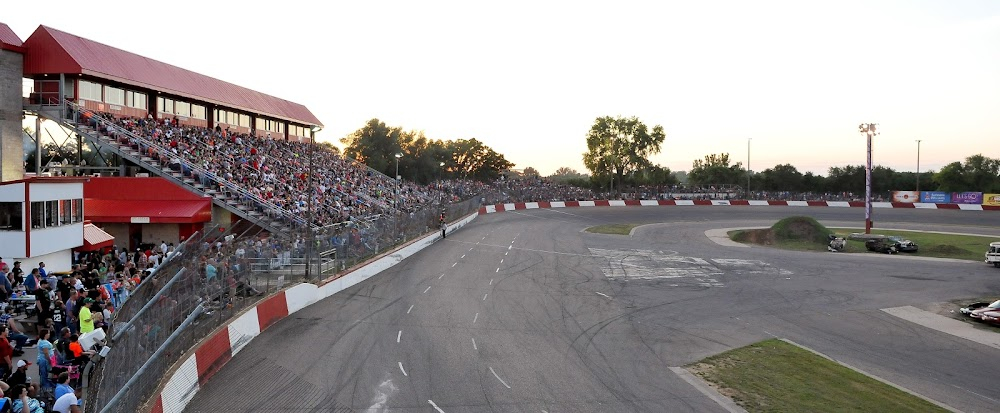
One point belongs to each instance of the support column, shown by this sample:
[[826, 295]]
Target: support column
[[11, 112]]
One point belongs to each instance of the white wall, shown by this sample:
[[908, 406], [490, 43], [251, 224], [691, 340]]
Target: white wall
[[12, 192], [55, 191], [49, 240], [56, 261], [11, 245]]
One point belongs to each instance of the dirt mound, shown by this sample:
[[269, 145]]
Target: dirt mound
[[800, 229], [755, 236]]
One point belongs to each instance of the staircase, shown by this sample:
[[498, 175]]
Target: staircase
[[225, 194]]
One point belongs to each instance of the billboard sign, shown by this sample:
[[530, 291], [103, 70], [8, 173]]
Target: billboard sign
[[991, 199], [905, 196], [967, 197], [935, 197]]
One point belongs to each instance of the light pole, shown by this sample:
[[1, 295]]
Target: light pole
[[311, 193], [395, 213], [869, 130], [748, 167], [918, 168]]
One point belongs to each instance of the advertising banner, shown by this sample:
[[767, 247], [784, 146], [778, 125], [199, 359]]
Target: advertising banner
[[905, 196], [991, 199], [935, 197], [967, 197]]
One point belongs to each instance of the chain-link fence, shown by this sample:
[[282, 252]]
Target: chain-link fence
[[213, 276]]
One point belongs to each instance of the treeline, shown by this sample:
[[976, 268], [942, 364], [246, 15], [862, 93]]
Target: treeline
[[422, 159], [976, 173]]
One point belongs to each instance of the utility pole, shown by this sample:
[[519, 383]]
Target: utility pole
[[869, 130], [918, 167]]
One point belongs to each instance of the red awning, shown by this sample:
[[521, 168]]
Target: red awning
[[95, 238], [148, 211]]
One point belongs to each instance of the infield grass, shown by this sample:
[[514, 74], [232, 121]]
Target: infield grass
[[775, 376], [963, 247], [613, 229]]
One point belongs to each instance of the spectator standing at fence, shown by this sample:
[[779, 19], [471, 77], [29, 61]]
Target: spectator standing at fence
[[6, 353], [86, 316], [44, 359], [17, 273], [43, 301], [31, 283]]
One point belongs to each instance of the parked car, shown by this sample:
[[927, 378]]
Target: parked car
[[993, 254], [985, 312], [903, 244], [881, 244]]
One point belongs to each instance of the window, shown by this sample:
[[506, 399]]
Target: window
[[182, 108], [37, 215], [135, 100], [90, 91], [198, 112], [244, 121], [77, 210], [168, 106], [52, 213], [260, 124], [66, 211], [11, 218], [114, 96]]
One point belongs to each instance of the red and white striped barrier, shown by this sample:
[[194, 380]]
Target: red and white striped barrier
[[489, 209], [215, 351]]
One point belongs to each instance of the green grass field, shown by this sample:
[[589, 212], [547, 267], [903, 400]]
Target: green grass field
[[963, 247], [614, 229], [774, 376]]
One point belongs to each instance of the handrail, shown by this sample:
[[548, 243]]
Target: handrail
[[113, 128]]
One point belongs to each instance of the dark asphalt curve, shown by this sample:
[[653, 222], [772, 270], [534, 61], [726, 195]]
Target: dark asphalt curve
[[522, 312]]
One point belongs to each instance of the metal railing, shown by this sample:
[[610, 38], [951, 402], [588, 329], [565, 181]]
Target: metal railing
[[159, 323]]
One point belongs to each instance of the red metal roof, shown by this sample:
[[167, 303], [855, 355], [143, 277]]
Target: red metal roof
[[95, 238], [114, 199], [158, 212], [51, 51], [9, 39]]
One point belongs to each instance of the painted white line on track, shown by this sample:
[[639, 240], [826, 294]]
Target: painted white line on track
[[435, 406], [484, 237], [401, 369], [399, 335], [453, 265], [475, 318], [501, 260], [474, 344], [441, 276], [495, 375], [470, 249], [485, 295], [428, 289], [491, 281], [410, 309], [603, 295], [505, 254], [498, 269], [463, 255], [510, 247]]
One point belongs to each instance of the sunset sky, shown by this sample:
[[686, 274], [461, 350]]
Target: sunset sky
[[528, 78]]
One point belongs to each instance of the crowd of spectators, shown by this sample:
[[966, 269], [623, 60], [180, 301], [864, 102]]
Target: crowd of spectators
[[274, 171]]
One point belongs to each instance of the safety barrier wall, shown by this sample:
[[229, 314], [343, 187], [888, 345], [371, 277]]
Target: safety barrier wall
[[214, 352], [489, 209]]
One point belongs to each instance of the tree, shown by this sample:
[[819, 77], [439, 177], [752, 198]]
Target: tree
[[620, 146], [375, 145], [978, 173], [473, 160], [530, 172], [781, 178], [715, 169]]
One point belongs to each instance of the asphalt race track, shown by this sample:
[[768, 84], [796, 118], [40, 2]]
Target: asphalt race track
[[523, 312]]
